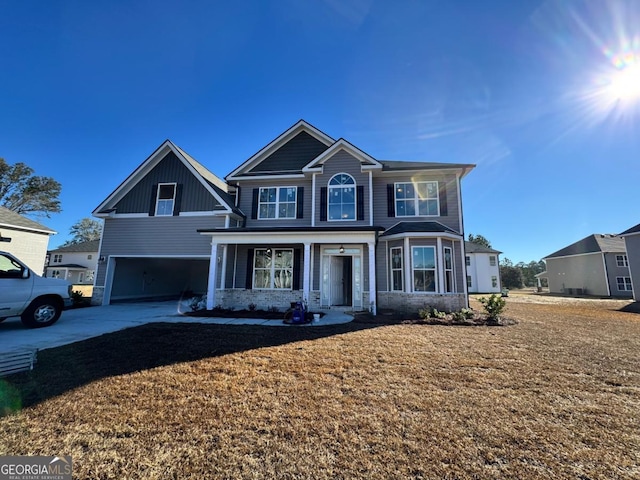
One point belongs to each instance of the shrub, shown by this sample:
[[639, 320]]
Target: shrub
[[198, 303], [77, 298], [431, 312], [493, 306], [252, 307]]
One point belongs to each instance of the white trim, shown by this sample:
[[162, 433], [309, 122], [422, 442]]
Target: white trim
[[372, 278], [370, 198], [277, 203], [435, 269], [149, 164], [306, 272], [625, 260], [454, 286], [355, 197], [575, 255], [633, 286], [211, 213], [459, 193], [625, 284], [440, 265], [391, 269], [408, 284], [108, 280], [223, 267], [124, 215], [342, 144], [272, 268], [273, 176], [287, 237], [398, 236], [606, 275], [173, 198], [298, 127]]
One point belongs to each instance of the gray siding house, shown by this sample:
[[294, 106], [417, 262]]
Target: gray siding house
[[305, 218], [632, 246], [596, 265]]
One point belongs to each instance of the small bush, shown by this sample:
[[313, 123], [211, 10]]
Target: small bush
[[252, 307], [77, 298], [493, 306], [198, 303], [431, 312]]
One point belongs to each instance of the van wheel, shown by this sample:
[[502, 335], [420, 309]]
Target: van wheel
[[42, 312]]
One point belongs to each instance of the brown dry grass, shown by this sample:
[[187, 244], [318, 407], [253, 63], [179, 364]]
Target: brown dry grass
[[555, 396]]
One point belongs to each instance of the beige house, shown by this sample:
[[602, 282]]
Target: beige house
[[24, 238]]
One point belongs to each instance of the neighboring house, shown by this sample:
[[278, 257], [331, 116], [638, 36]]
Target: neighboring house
[[24, 238], [596, 265], [632, 247], [483, 268], [306, 218], [75, 263]]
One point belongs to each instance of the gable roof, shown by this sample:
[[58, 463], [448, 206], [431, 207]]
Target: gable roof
[[215, 186], [82, 247], [632, 230], [365, 159], [418, 227], [272, 153], [595, 243], [11, 219], [471, 247]]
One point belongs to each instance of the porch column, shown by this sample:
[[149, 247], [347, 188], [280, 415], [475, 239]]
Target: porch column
[[211, 284], [440, 263], [408, 283], [372, 277], [306, 273], [223, 271]]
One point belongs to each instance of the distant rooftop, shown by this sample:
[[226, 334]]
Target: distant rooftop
[[88, 247], [11, 219], [597, 242]]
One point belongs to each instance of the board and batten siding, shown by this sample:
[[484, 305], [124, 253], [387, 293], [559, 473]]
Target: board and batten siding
[[342, 162], [194, 196], [380, 200], [247, 200], [156, 236]]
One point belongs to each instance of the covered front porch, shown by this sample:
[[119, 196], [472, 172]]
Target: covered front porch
[[322, 267]]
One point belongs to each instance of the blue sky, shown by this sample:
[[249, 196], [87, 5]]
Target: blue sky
[[520, 88]]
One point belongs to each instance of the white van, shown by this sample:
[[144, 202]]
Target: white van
[[36, 300]]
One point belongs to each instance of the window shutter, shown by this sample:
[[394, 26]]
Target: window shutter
[[178, 201], [152, 202], [360, 200], [323, 204], [443, 199], [249, 279], [391, 201], [254, 203], [300, 202], [296, 269]]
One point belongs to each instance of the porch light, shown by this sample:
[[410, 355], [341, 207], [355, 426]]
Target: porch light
[[341, 249]]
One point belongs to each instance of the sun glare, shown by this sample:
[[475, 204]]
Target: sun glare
[[625, 84]]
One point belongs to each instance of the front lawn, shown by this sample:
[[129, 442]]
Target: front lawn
[[556, 395]]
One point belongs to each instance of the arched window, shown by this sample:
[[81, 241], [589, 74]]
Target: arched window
[[342, 197]]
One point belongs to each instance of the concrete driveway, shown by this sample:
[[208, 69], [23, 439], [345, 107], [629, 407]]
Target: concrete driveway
[[82, 323]]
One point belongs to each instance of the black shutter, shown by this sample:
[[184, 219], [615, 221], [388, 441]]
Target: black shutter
[[391, 200], [360, 200], [152, 201], [178, 201], [296, 269], [323, 204], [249, 279], [443, 199], [254, 203], [300, 202]]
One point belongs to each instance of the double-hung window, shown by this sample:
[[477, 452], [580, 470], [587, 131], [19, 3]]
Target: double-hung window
[[417, 199], [624, 284], [166, 199], [342, 197], [622, 261], [277, 202], [396, 269], [424, 269], [273, 268], [448, 270], [492, 260]]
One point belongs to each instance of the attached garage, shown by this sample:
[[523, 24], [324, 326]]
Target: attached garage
[[139, 278]]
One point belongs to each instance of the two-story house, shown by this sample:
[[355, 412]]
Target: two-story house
[[483, 268], [76, 262], [305, 218]]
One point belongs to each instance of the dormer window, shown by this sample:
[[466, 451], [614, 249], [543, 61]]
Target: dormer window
[[342, 197], [166, 199]]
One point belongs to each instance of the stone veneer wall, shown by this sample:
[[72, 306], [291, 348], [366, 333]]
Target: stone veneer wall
[[411, 302], [240, 299], [97, 295]]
